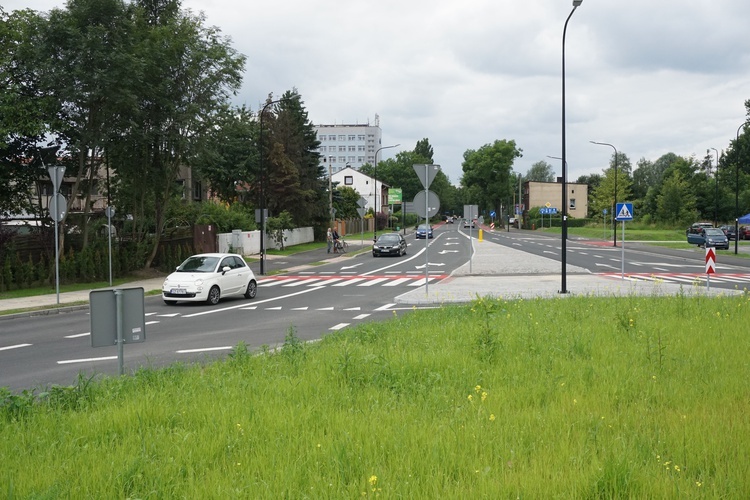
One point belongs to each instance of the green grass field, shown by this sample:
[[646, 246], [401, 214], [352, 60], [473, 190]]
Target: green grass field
[[574, 397]]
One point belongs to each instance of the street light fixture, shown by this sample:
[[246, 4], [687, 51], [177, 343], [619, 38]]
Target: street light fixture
[[375, 174], [576, 4], [614, 205]]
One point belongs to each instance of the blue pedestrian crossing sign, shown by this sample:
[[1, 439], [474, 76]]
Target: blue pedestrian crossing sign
[[624, 211]]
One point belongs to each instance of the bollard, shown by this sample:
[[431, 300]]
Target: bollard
[[481, 235]]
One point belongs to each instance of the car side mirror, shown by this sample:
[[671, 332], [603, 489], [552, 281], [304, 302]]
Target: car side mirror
[[225, 269]]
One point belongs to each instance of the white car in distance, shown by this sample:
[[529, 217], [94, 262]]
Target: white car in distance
[[208, 278]]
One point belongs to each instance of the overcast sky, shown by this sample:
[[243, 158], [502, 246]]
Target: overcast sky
[[648, 76]]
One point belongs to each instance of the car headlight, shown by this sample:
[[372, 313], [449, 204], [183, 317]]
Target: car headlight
[[375, 247], [198, 282]]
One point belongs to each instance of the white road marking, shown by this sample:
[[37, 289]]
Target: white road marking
[[300, 309], [339, 326], [353, 309], [86, 360], [214, 311], [398, 281], [152, 322], [17, 346], [350, 282], [77, 335], [373, 282], [325, 309], [361, 316], [385, 307], [204, 349]]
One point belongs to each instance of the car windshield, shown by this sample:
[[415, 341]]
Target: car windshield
[[714, 231], [388, 238], [198, 264], [423, 227]]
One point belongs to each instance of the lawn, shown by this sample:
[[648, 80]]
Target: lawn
[[574, 397]]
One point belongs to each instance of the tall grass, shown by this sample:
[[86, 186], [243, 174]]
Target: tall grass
[[634, 397]]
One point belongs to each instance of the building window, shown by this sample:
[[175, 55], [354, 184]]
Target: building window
[[572, 203], [352, 138], [361, 137], [322, 138], [360, 159], [342, 159], [352, 148], [331, 137], [197, 191], [360, 148], [348, 180], [351, 159], [342, 137]]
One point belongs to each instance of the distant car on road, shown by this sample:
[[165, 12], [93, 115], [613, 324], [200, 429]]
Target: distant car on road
[[424, 231], [709, 237], [208, 277], [470, 223], [389, 244], [744, 232]]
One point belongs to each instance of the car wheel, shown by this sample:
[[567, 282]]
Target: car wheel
[[214, 294], [170, 302], [374, 255], [252, 290]]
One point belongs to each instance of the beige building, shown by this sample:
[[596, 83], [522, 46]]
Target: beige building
[[539, 194]]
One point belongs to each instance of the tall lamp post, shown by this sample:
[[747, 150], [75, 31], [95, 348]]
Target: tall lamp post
[[262, 190], [375, 168], [576, 4], [737, 190], [614, 205], [716, 189]]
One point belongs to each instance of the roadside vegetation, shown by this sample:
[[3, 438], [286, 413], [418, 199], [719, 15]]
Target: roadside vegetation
[[575, 397]]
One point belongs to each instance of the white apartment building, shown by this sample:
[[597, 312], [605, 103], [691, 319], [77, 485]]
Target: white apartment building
[[348, 145], [371, 190]]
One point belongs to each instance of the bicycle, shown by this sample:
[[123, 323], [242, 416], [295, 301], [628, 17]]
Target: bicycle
[[342, 246]]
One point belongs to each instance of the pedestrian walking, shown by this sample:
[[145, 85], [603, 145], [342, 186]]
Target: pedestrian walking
[[329, 238]]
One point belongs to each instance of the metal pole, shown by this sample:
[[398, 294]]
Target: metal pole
[[737, 191], [109, 241], [614, 205], [622, 259], [262, 190], [120, 348], [427, 234], [716, 187], [57, 252], [564, 237]]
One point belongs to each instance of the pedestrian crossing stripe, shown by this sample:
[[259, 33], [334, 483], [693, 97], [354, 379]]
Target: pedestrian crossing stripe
[[342, 281], [685, 278]]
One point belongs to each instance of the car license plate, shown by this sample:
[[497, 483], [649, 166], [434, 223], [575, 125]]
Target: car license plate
[[178, 291]]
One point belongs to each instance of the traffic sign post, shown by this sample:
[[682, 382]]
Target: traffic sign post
[[426, 174], [710, 265], [623, 212]]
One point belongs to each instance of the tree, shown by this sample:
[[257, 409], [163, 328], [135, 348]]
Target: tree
[[541, 171], [676, 203], [424, 150], [275, 227], [603, 196], [487, 173], [227, 152], [24, 111], [295, 180], [345, 201]]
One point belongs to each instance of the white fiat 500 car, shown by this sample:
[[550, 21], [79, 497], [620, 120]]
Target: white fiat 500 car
[[209, 277]]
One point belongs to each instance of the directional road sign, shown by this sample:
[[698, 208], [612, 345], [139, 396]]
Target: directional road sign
[[433, 204], [710, 260], [624, 211]]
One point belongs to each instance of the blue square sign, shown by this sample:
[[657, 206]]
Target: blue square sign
[[624, 211]]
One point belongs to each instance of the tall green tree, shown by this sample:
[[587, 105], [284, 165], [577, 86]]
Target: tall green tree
[[227, 152], [676, 201], [541, 171], [295, 180], [424, 150], [25, 111], [603, 196], [487, 174]]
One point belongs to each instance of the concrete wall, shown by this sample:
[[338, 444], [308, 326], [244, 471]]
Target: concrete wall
[[248, 242]]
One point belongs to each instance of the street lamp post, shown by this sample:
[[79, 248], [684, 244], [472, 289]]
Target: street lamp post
[[576, 4], [716, 188], [375, 173], [737, 190], [262, 190], [614, 205]]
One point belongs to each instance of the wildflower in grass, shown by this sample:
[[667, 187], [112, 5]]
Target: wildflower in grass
[[484, 396], [575, 401], [470, 398], [373, 480], [492, 417], [677, 468], [477, 389], [698, 484]]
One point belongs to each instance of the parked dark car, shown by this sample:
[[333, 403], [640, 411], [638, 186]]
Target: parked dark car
[[389, 244], [744, 232], [697, 227], [709, 237], [729, 231], [424, 231]]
